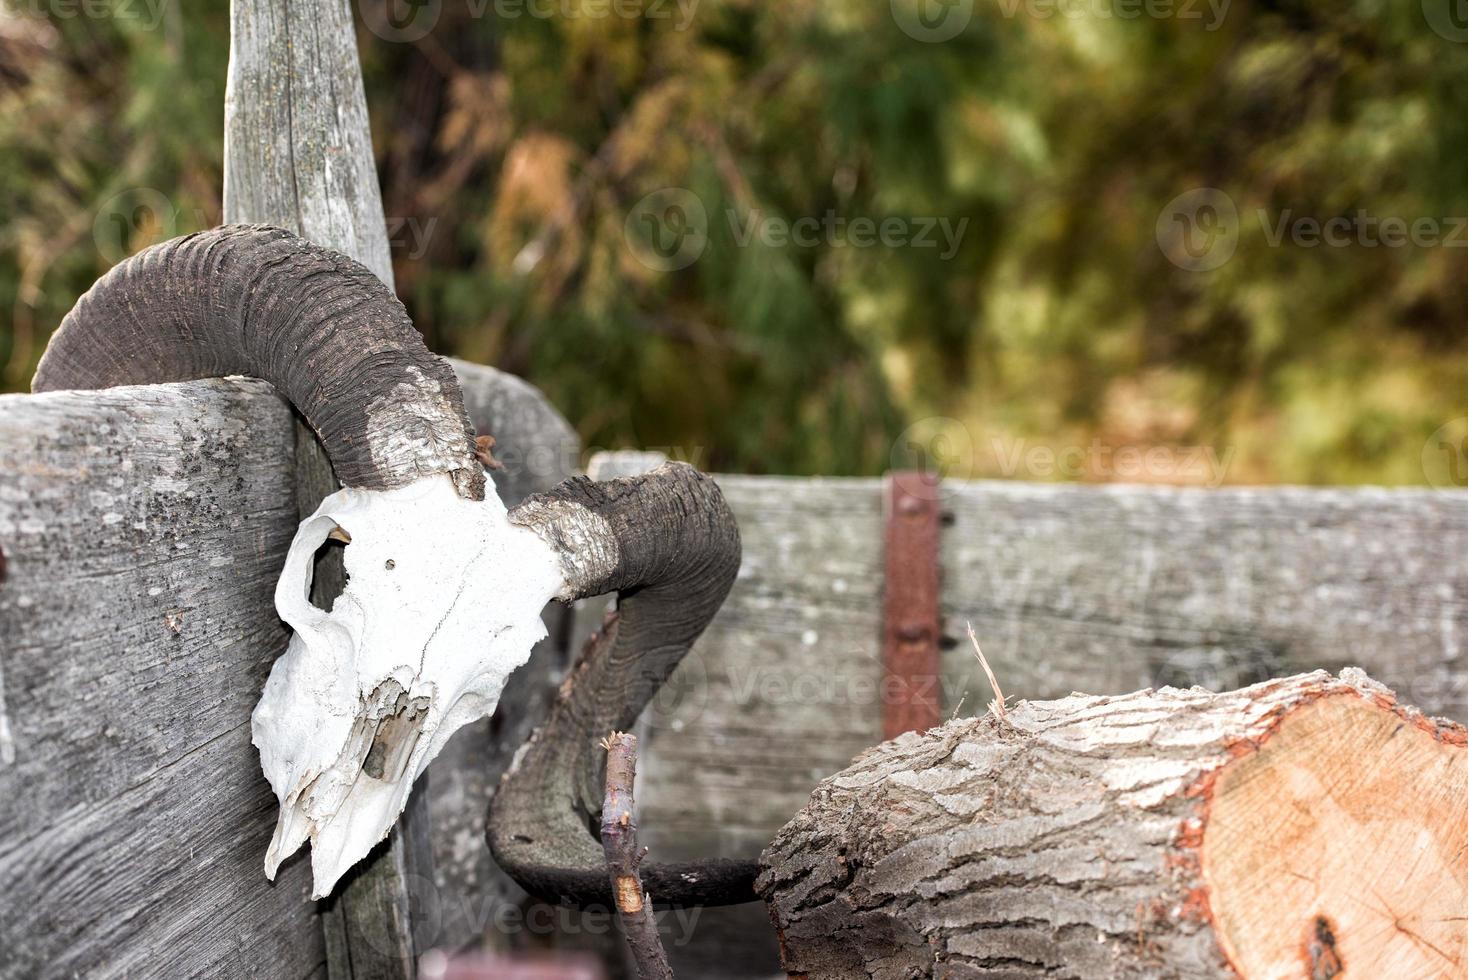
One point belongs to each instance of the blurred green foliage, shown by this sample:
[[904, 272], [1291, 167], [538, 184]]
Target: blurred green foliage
[[516, 141]]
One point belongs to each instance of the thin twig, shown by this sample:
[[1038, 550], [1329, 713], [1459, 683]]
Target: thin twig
[[619, 842], [997, 705]]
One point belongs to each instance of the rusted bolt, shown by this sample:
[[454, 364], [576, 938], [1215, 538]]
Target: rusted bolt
[[912, 632]]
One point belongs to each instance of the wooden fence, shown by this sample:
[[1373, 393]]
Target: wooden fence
[[143, 530]]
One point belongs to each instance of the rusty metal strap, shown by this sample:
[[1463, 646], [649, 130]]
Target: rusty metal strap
[[911, 683]]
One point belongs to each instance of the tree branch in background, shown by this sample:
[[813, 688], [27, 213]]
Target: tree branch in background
[[619, 841]]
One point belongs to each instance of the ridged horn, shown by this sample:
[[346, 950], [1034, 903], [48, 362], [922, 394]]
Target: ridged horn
[[668, 545], [259, 301]]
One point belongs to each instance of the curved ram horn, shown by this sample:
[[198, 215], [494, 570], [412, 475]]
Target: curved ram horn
[[259, 301], [668, 545]]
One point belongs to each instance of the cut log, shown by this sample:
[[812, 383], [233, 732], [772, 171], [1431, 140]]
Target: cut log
[[1309, 827]]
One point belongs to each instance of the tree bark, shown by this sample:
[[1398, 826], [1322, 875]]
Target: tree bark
[[1308, 827]]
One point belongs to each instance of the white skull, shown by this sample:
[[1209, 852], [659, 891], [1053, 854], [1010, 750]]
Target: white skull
[[442, 602]]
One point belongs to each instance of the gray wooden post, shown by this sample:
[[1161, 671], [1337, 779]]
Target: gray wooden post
[[297, 145], [298, 154]]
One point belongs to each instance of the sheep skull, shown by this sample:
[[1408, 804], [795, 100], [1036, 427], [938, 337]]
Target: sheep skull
[[442, 602]]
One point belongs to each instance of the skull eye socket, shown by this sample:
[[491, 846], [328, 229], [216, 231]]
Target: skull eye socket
[[330, 576]]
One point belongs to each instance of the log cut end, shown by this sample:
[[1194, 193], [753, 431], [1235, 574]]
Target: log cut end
[[1340, 844], [1309, 827]]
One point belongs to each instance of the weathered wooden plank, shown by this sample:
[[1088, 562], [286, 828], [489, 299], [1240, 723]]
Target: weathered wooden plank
[[298, 154], [1109, 589], [1098, 589], [783, 688], [143, 529], [534, 443], [297, 147]]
